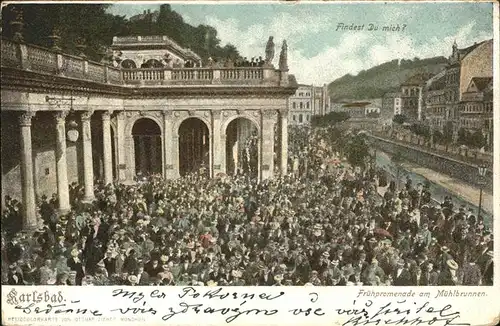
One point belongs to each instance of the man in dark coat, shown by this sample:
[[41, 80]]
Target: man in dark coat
[[470, 274], [75, 264], [402, 275]]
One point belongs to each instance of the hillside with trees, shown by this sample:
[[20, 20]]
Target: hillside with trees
[[386, 77], [93, 26]]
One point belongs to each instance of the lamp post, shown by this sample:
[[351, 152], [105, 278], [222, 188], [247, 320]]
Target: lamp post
[[482, 174]]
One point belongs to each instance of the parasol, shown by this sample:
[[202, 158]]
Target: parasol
[[382, 232]]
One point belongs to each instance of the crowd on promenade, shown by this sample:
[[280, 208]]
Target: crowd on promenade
[[324, 225]]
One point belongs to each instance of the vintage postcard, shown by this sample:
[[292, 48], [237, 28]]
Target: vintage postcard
[[250, 163]]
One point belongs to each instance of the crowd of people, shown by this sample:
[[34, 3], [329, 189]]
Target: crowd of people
[[327, 225]]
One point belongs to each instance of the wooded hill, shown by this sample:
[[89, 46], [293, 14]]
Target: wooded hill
[[386, 77], [92, 25]]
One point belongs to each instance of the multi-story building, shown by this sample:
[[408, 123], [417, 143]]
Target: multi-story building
[[435, 108], [445, 91], [356, 110], [67, 119], [307, 101], [412, 96], [391, 105], [476, 109]]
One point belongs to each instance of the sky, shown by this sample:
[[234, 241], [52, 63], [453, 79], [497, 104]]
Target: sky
[[318, 50]]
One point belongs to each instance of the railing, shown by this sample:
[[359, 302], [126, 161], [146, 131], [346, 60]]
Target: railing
[[471, 156], [242, 74], [38, 59], [41, 60]]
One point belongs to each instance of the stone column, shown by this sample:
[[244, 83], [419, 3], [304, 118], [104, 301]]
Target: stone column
[[107, 148], [88, 164], [219, 147], [28, 183], [267, 139], [120, 140], [168, 152], [61, 164], [284, 141]]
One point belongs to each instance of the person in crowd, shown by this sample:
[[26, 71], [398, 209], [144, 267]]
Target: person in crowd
[[325, 224]]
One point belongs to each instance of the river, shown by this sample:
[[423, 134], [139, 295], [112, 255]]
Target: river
[[438, 192]]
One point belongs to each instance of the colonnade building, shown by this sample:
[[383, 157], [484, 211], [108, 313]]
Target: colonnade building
[[67, 120]]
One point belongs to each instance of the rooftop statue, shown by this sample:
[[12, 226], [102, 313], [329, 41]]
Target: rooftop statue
[[269, 50], [284, 56]]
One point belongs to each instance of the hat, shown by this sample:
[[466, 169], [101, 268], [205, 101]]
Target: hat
[[326, 254], [490, 253], [164, 258], [283, 266], [132, 279], [308, 284], [452, 264], [335, 261], [211, 283], [445, 249], [372, 240], [278, 278], [236, 273], [101, 264], [74, 252]]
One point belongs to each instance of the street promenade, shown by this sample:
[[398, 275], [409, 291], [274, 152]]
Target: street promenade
[[460, 189]]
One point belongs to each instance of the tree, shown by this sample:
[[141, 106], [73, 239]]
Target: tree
[[438, 137], [477, 140], [399, 119], [329, 119], [448, 134], [357, 151], [91, 24]]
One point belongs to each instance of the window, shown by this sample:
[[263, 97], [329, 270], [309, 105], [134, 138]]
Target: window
[[301, 94], [294, 117], [294, 105], [301, 105], [307, 117], [300, 117], [307, 105]]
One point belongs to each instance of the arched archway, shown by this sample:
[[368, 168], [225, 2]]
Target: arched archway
[[148, 147], [194, 147], [242, 147], [128, 64]]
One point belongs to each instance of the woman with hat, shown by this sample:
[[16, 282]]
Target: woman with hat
[[448, 274]]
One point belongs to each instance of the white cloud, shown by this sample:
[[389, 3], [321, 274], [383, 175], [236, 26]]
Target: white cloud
[[354, 52]]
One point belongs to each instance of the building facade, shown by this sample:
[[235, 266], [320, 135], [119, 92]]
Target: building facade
[[307, 101], [476, 108], [154, 51], [412, 97], [444, 91], [391, 105], [69, 120], [356, 110]]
